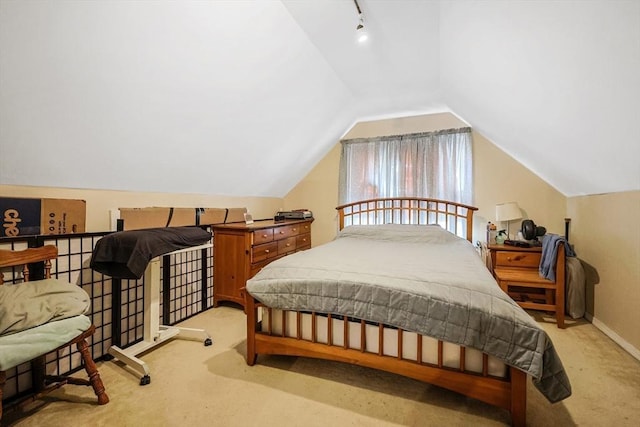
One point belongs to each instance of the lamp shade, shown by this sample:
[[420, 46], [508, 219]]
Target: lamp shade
[[508, 211]]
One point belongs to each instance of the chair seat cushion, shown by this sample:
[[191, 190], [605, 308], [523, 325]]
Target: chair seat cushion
[[30, 304], [23, 346]]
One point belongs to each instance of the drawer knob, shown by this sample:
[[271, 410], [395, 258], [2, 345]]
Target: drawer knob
[[266, 251], [294, 229], [281, 232], [515, 258], [288, 244], [264, 235], [304, 240]]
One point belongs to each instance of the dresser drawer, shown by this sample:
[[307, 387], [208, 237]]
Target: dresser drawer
[[286, 231], [303, 241], [264, 251], [262, 236], [286, 245], [517, 259], [305, 228]]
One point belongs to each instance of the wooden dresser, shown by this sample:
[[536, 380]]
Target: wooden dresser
[[240, 250]]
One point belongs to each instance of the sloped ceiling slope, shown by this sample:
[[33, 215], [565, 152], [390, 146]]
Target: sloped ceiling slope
[[213, 97], [244, 97], [555, 84]]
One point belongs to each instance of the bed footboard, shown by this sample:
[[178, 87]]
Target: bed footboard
[[283, 333]]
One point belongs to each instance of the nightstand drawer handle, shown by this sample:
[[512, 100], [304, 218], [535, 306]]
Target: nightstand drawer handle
[[265, 235], [294, 229], [288, 244], [516, 258], [266, 251], [282, 232]]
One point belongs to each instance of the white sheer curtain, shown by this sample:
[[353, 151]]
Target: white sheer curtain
[[434, 164]]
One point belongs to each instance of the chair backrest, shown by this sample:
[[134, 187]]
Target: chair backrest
[[26, 257]]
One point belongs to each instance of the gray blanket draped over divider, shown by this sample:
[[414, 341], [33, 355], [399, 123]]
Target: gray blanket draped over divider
[[418, 278]]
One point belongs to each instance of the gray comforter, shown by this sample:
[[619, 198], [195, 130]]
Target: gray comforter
[[418, 278]]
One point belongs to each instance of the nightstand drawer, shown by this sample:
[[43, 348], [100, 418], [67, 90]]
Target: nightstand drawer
[[517, 259]]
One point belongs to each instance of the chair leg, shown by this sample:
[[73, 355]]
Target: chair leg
[[92, 372], [3, 378]]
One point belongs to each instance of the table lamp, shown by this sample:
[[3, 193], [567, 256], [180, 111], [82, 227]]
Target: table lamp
[[506, 212]]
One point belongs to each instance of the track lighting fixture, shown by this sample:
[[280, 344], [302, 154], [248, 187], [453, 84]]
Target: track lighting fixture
[[361, 32]]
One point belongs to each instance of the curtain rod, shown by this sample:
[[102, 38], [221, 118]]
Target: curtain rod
[[407, 135]]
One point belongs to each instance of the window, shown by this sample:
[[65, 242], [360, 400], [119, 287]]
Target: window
[[435, 165]]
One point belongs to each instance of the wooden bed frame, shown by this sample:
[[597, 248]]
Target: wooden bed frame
[[508, 393]]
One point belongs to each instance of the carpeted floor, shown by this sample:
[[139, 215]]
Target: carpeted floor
[[194, 385]]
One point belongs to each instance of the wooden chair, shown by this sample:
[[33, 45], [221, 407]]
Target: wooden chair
[[31, 347], [531, 291]]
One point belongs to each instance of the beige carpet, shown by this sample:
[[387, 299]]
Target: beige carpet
[[193, 385]]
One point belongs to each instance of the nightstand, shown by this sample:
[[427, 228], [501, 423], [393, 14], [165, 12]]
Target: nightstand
[[517, 272]]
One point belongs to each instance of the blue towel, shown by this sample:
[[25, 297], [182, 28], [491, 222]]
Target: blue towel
[[550, 243]]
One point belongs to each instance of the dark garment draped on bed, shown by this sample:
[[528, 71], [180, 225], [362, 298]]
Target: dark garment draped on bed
[[125, 254]]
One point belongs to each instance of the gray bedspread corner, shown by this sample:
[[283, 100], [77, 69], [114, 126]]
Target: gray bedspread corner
[[554, 383], [375, 275]]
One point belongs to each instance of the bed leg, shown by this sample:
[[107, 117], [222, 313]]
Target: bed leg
[[3, 378], [518, 398], [251, 311]]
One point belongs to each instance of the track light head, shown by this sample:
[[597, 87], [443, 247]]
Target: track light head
[[361, 32]]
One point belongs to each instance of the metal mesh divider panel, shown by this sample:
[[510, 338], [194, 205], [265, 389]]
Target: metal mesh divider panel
[[190, 287], [72, 265], [132, 312], [19, 380], [191, 292]]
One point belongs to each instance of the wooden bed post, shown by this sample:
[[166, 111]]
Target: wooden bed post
[[341, 216], [518, 397], [251, 311], [470, 225]]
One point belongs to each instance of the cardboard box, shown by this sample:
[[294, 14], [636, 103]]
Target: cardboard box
[[140, 218], [210, 216], [236, 215], [23, 216]]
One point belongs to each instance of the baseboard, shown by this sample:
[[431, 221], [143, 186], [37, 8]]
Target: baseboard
[[615, 337]]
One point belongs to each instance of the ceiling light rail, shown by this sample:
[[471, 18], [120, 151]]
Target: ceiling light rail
[[361, 33]]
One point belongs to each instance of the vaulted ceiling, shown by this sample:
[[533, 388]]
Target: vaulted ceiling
[[244, 97]]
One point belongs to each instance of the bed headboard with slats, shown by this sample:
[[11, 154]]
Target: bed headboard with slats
[[454, 217]]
